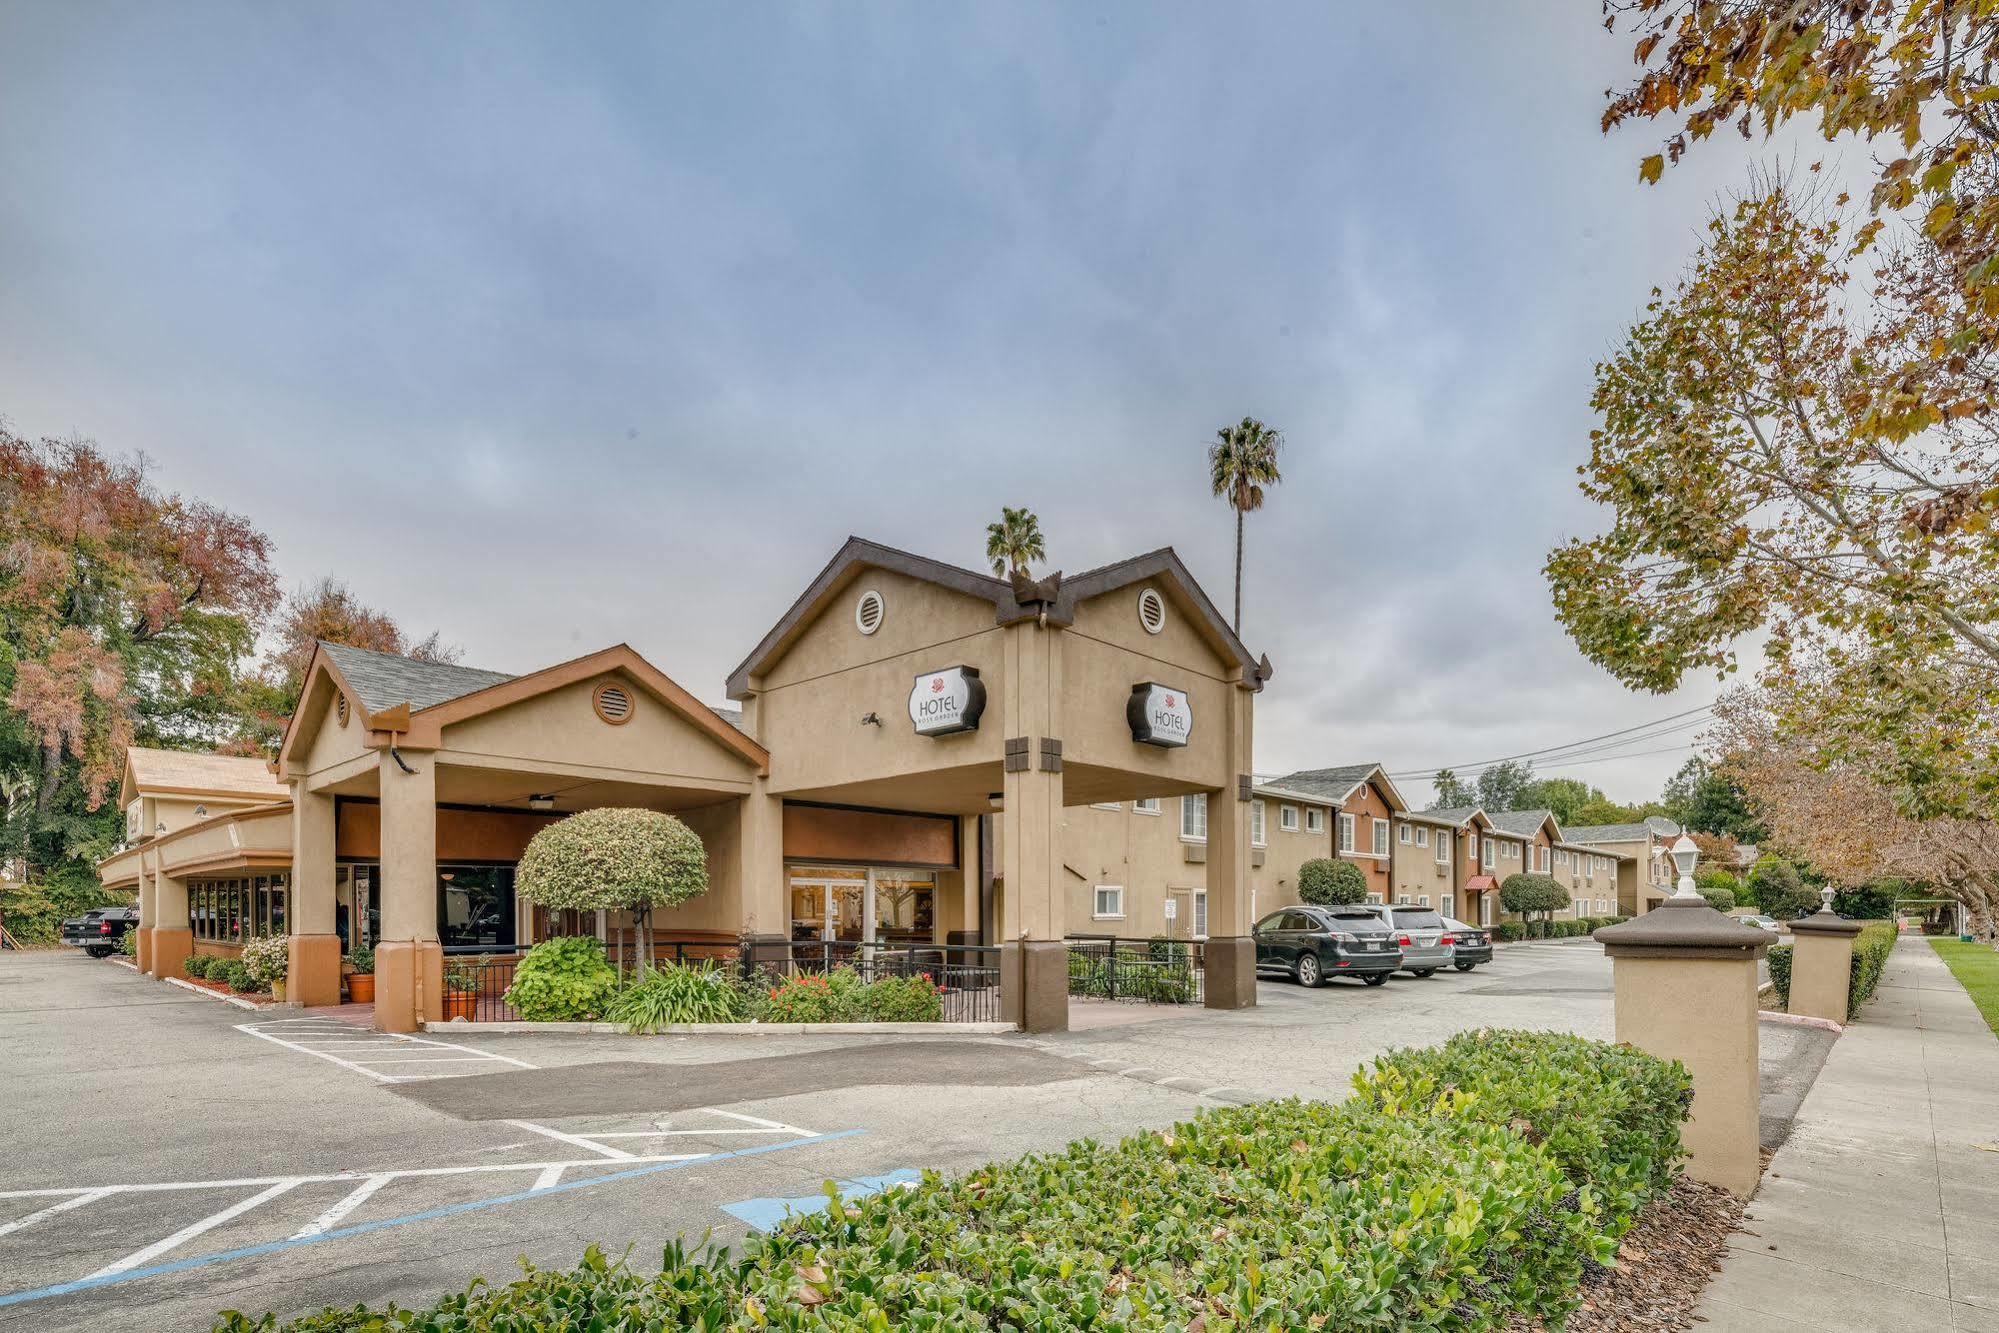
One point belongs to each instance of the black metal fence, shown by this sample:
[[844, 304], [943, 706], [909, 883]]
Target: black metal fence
[[1154, 971], [966, 976]]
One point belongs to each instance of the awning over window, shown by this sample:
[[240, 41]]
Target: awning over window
[[1480, 884]]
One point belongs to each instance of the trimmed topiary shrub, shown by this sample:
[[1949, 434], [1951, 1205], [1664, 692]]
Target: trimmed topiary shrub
[[1527, 894], [1325, 882], [614, 860], [563, 980]]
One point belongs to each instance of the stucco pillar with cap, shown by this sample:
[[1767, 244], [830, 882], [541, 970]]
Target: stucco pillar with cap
[[1229, 955], [1685, 981], [1822, 963], [409, 962], [312, 976], [148, 913], [173, 938], [1034, 958]]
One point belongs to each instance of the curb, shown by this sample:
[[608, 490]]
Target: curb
[[126, 962], [1799, 1021], [236, 1000], [523, 1029]]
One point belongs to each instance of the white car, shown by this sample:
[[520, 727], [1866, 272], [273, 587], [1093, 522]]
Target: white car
[[1760, 922]]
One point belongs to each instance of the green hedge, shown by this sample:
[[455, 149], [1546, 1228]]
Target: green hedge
[[1779, 959], [1509, 932], [1465, 1187]]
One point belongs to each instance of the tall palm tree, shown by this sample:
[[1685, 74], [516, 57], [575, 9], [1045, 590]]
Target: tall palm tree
[[1241, 462], [1014, 540]]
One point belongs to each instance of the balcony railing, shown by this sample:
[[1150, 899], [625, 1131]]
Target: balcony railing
[[1153, 971]]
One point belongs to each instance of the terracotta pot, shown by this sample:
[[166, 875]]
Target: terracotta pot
[[461, 1004], [361, 988]]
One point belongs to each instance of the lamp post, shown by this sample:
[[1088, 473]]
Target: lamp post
[[1685, 853]]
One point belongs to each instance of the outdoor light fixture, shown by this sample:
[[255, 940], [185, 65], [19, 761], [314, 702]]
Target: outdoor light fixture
[[995, 799], [1685, 852], [541, 802]]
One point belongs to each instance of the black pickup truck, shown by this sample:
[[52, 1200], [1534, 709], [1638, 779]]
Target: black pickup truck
[[98, 931]]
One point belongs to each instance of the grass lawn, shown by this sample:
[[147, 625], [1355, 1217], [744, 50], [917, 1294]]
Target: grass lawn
[[1976, 968]]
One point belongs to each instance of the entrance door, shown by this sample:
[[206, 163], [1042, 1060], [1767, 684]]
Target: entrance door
[[854, 906]]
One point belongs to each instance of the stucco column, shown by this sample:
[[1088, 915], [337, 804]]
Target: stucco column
[[1034, 960], [1822, 965], [173, 940], [766, 899], [1229, 956], [1685, 982], [148, 914], [313, 974], [409, 964]]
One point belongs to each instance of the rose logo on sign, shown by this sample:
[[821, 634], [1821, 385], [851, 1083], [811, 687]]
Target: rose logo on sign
[[1159, 715], [943, 703]]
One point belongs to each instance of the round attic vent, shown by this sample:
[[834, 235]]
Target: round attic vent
[[613, 703], [1151, 611], [868, 612]]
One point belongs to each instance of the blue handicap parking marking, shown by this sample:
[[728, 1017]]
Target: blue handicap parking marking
[[769, 1212]]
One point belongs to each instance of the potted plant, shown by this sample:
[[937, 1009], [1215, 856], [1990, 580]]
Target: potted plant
[[361, 975], [461, 992]]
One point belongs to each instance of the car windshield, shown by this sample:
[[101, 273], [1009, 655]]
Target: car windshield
[[1418, 919]]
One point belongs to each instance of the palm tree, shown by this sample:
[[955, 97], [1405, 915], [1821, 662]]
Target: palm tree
[[1242, 461], [1014, 540]]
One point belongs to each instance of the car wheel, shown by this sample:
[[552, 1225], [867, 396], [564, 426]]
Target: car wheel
[[1308, 969], [1466, 967], [1376, 979], [1423, 972]]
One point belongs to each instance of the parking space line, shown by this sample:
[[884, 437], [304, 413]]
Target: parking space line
[[550, 1177], [351, 1047], [602, 1149], [329, 1219], [75, 1201], [189, 1232], [767, 1124]]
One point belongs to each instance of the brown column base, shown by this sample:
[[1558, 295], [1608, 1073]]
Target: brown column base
[[171, 950], [409, 984], [1034, 985], [1228, 976], [144, 956], [313, 974]]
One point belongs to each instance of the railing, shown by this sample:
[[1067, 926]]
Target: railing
[[967, 976], [1155, 971], [490, 976]]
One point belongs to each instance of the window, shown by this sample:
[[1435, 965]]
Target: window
[[1381, 837], [1561, 857], [1346, 833], [1422, 900], [1403, 901], [1374, 897], [1443, 850], [1194, 818], [1200, 914], [1256, 838], [1148, 806], [1541, 859], [475, 907], [1403, 834], [1491, 854], [1422, 837], [1315, 820], [1287, 818], [1110, 902]]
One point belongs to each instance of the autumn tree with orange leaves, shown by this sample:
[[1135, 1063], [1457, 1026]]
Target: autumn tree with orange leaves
[[123, 613]]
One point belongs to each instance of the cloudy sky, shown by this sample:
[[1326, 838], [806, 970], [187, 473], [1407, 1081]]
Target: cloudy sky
[[553, 327]]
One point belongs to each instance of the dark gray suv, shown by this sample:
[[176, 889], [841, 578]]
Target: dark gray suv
[[1314, 943]]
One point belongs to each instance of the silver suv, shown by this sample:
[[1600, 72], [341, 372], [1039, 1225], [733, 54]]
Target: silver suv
[[1426, 944]]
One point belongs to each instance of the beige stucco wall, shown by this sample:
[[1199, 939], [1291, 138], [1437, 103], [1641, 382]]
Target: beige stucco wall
[[562, 729], [1415, 871], [332, 742]]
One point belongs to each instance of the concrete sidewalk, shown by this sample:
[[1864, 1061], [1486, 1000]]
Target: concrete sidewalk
[[1882, 1209]]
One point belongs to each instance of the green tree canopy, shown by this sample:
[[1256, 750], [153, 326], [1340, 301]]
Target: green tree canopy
[[1242, 462], [1014, 543], [1526, 893], [614, 859], [1779, 889], [1501, 786], [1325, 882], [1453, 792]]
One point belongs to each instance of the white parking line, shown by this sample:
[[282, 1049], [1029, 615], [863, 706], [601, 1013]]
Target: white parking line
[[193, 1229], [75, 1201], [343, 1044], [357, 1196], [603, 1149]]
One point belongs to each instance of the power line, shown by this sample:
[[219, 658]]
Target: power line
[[1552, 753], [1560, 758]]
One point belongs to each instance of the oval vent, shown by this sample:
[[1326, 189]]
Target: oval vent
[[1151, 611], [613, 703], [340, 710], [868, 612]]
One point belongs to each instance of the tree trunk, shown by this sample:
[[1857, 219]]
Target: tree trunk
[[1238, 573]]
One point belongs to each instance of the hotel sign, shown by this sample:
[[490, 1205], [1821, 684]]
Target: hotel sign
[[943, 703], [1159, 714]]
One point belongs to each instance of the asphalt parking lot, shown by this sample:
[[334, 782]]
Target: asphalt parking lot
[[167, 1155]]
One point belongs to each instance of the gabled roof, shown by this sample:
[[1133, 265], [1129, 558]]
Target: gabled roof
[[1525, 823], [194, 773], [1454, 817], [1338, 783], [383, 680], [1590, 834], [857, 554], [1287, 794]]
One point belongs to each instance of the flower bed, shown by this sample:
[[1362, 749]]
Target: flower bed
[[1456, 1191]]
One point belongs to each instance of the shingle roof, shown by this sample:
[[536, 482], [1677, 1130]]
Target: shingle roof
[[1453, 815], [384, 680], [1327, 783], [1599, 833], [1282, 792], [189, 770], [1524, 823]]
